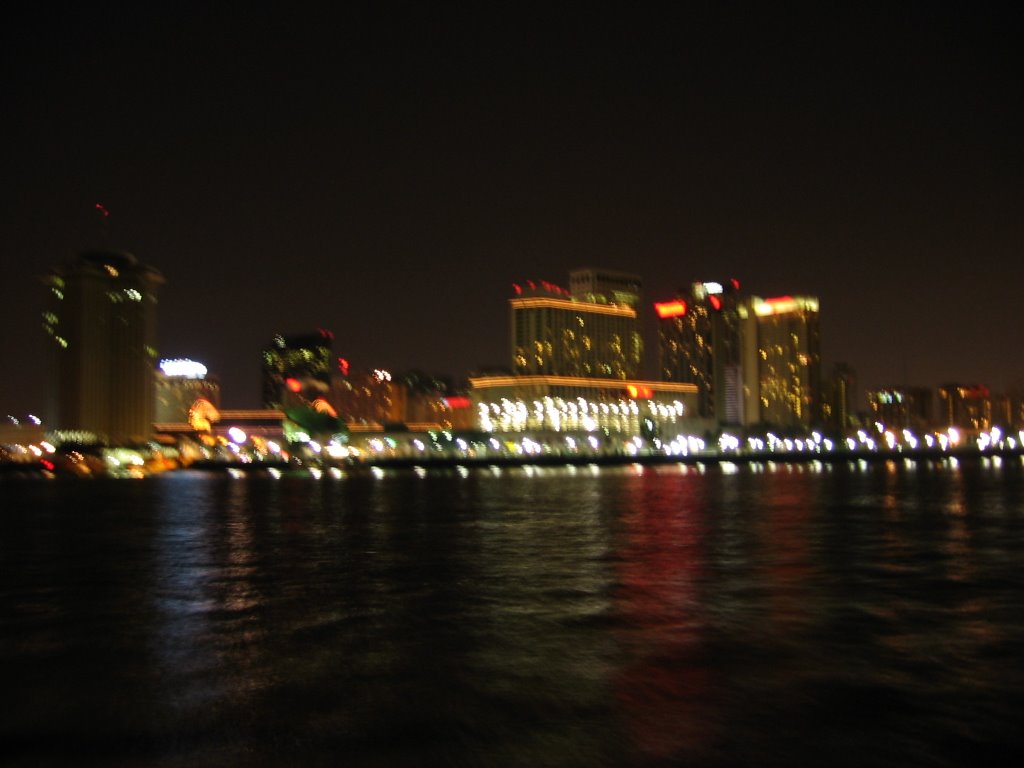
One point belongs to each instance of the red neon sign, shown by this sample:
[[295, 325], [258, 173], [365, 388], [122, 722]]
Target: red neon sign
[[670, 308]]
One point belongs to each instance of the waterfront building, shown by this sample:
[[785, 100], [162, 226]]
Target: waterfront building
[[902, 407], [585, 406], [838, 399], [100, 322], [368, 396], [700, 341], [789, 361], [297, 369], [965, 407], [179, 384], [554, 334]]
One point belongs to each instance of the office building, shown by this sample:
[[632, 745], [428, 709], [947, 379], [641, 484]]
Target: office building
[[100, 321]]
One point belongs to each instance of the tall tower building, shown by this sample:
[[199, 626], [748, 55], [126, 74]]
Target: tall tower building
[[297, 369], [101, 322], [700, 341], [789, 361], [555, 334]]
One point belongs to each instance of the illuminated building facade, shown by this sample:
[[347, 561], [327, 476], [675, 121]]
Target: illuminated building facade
[[297, 369], [901, 407], [700, 341], [583, 405], [556, 335], [101, 324], [368, 396], [606, 286], [789, 361], [179, 384]]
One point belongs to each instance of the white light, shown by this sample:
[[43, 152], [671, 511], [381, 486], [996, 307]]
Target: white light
[[236, 435], [187, 369]]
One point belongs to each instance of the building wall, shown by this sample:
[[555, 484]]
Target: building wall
[[561, 337]]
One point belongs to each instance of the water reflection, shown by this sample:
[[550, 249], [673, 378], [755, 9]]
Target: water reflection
[[776, 613]]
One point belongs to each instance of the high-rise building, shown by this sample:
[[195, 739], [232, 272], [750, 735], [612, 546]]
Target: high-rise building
[[700, 339], [754, 361], [557, 335], [101, 323], [297, 369], [789, 361]]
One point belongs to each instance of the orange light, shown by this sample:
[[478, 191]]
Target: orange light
[[293, 384], [670, 308], [640, 391]]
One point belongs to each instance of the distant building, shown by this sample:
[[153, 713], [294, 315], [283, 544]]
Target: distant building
[[100, 321], [606, 286], [754, 361], [179, 384], [700, 341], [554, 334], [584, 405], [965, 407], [297, 369], [789, 361], [368, 396], [902, 407], [839, 396]]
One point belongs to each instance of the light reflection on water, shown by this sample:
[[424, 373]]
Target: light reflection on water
[[740, 615]]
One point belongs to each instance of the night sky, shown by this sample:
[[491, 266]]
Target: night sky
[[389, 176]]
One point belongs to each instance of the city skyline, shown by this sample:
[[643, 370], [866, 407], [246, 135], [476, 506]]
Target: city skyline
[[391, 181]]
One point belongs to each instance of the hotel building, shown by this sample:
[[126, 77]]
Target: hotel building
[[753, 361]]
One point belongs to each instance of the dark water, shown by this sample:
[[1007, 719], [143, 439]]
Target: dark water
[[762, 616]]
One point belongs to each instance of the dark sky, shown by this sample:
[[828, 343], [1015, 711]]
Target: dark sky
[[388, 176]]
